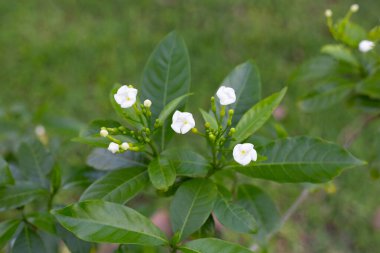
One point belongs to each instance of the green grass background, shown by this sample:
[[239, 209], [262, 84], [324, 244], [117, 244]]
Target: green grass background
[[62, 58]]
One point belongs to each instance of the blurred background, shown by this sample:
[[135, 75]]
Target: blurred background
[[59, 60]]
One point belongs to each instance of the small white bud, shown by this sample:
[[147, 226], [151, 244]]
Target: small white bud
[[124, 146], [147, 103], [366, 45], [103, 133], [328, 13], [113, 147], [354, 8]]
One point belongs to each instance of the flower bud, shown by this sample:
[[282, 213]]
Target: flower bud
[[147, 103], [103, 132], [354, 8], [113, 147], [211, 137], [328, 13], [194, 130], [124, 146], [207, 125]]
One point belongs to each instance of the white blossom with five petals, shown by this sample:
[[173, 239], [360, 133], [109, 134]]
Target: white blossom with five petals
[[113, 147], [125, 96], [244, 153], [183, 122], [226, 95]]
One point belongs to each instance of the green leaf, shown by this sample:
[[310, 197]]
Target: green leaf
[[212, 245], [209, 118], [300, 159], [8, 229], [256, 117], [13, 196], [5, 174], [365, 103], [191, 206], [315, 68], [340, 53], [118, 186], [162, 173], [171, 107], [44, 221], [321, 100], [374, 34], [103, 159], [28, 241], [104, 222], [187, 162], [370, 86], [74, 244], [234, 216], [262, 207], [350, 33], [245, 80], [35, 162]]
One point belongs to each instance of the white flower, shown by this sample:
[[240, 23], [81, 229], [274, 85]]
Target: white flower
[[366, 45], [40, 130], [328, 13], [124, 146], [147, 103], [226, 95], [182, 122], [103, 133], [354, 8], [244, 153], [113, 147], [125, 96]]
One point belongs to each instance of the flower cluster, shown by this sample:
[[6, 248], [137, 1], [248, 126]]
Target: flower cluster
[[182, 123]]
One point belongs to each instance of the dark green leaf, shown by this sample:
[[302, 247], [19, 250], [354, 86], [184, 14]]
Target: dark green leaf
[[261, 206], [5, 174], [74, 244], [316, 68], [7, 230], [371, 86], [256, 117], [300, 159], [105, 222], [103, 159], [162, 173], [212, 245], [43, 221], [118, 186], [191, 206], [13, 196], [28, 241]]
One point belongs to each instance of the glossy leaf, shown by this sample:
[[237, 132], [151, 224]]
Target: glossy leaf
[[212, 245], [5, 174], [162, 173], [191, 206], [256, 117], [340, 53], [13, 196], [103, 159], [105, 222], [44, 221], [73, 243], [261, 206], [209, 118], [245, 80], [171, 107], [28, 241], [7, 230], [118, 186], [300, 159]]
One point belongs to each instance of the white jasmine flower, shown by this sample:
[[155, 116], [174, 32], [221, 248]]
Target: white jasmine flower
[[182, 122], [328, 13], [124, 146], [226, 95], [354, 8], [244, 153], [366, 45], [125, 96], [103, 133], [113, 147], [147, 103], [40, 130]]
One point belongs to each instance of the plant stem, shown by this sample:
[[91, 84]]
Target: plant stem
[[301, 198]]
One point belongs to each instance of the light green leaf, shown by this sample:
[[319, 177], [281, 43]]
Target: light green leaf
[[350, 33], [13, 196], [340, 53], [44, 221], [118, 186], [256, 117], [5, 174], [28, 241], [104, 222], [245, 80], [7, 230], [209, 118], [162, 173], [370, 86], [374, 34], [187, 162], [212, 245], [191, 206], [262, 207], [300, 159], [171, 107]]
